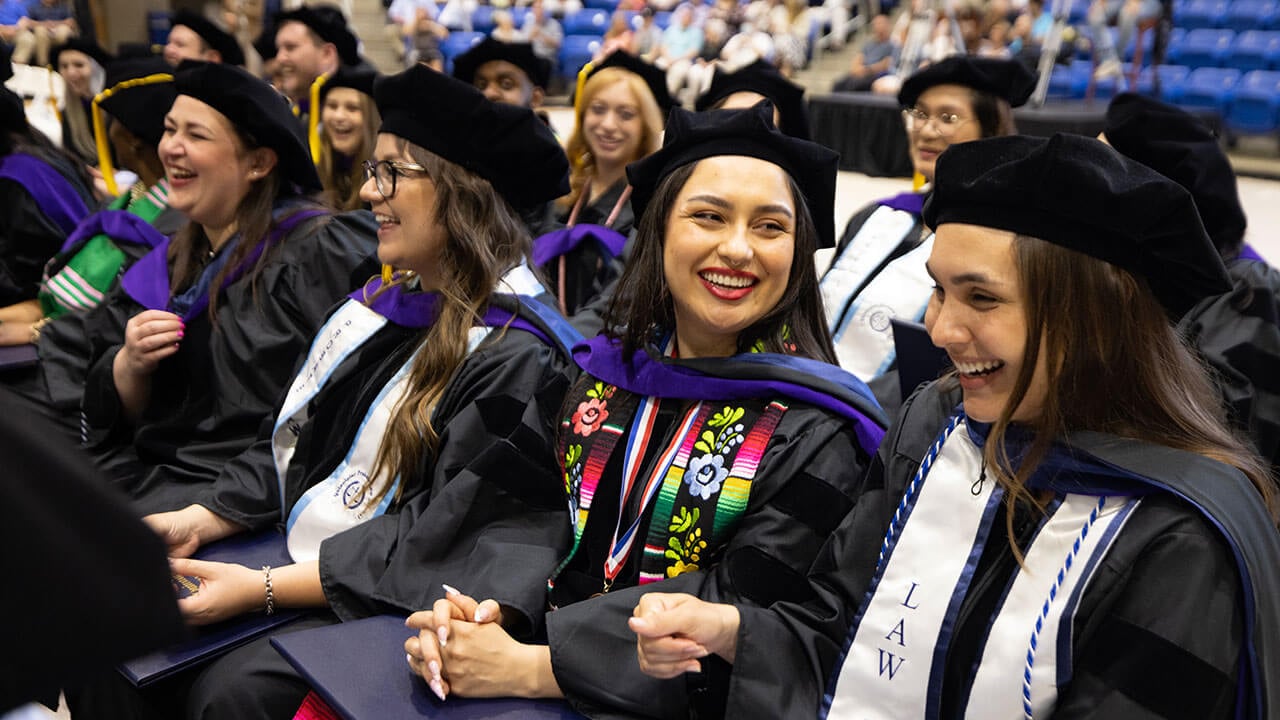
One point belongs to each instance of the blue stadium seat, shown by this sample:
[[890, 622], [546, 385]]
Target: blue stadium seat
[[609, 5], [1251, 15], [1205, 47], [1210, 88], [482, 19], [1255, 105], [576, 51], [662, 19], [458, 42], [1148, 47], [1172, 80], [1255, 50], [587, 21], [1174, 45], [1201, 14], [519, 13]]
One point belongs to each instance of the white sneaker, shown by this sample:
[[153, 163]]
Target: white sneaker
[[1108, 69]]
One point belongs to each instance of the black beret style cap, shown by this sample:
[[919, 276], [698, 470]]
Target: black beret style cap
[[750, 132], [763, 78], [653, 76], [1076, 192], [1181, 147], [213, 36], [329, 23], [141, 108], [256, 109], [265, 43], [88, 47], [519, 54], [504, 144], [360, 79], [1009, 80]]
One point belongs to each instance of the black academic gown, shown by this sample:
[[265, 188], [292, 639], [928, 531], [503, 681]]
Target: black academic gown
[[488, 515], [808, 478], [588, 270], [208, 400], [1238, 335], [1157, 633], [55, 385], [28, 237]]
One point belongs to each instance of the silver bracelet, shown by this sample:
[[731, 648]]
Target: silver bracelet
[[271, 597]]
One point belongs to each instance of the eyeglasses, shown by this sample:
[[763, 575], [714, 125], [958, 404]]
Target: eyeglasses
[[945, 124], [385, 172]]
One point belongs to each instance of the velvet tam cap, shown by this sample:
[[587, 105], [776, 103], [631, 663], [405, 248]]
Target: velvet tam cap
[[329, 23], [763, 78], [488, 50], [255, 109], [140, 108], [215, 37], [654, 77], [88, 47], [694, 136], [504, 144], [1078, 193], [1008, 80], [357, 78]]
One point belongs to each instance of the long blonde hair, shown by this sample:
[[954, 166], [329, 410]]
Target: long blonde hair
[[342, 187], [581, 164], [484, 239], [1124, 373]]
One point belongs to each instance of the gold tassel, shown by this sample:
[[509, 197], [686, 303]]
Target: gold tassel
[[313, 118], [99, 126], [388, 273], [582, 82], [917, 182]]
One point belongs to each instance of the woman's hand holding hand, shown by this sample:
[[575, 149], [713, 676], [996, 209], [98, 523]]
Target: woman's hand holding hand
[[226, 590], [674, 630]]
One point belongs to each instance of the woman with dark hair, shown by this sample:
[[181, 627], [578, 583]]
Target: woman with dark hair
[[414, 445], [347, 130], [877, 272], [193, 347], [742, 443], [1061, 519]]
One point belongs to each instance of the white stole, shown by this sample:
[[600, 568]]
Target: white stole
[[883, 231], [894, 665]]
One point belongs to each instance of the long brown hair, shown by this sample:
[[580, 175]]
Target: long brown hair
[[190, 248], [484, 239], [582, 165], [342, 187], [643, 304], [1127, 373]]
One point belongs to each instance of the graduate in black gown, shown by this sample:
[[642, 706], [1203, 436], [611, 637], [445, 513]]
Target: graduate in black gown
[[191, 351], [1237, 333], [101, 247], [414, 445], [752, 83], [709, 447], [877, 271], [1065, 526]]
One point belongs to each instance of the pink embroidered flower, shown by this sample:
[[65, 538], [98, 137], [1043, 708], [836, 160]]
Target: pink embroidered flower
[[589, 416]]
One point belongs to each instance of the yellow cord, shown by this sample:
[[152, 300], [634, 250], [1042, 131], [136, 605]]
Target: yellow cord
[[388, 273], [99, 126], [313, 118], [582, 82]]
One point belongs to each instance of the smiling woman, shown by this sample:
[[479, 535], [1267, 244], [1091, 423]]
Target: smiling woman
[[743, 448], [348, 126]]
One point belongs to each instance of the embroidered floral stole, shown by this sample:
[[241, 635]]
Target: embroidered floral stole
[[705, 488]]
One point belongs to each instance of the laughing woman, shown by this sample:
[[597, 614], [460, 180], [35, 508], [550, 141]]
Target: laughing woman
[[1063, 520], [431, 401], [348, 128], [709, 447], [192, 348]]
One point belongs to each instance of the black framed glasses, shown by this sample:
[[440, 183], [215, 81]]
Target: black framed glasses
[[385, 172]]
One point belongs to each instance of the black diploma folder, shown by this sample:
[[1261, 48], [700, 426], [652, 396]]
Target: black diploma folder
[[14, 357], [359, 669], [210, 641], [919, 360]]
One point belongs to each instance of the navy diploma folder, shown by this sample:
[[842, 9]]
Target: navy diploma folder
[[210, 641], [359, 669]]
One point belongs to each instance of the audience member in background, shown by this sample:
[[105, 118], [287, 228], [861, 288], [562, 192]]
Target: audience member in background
[[193, 37], [1125, 15], [543, 32], [618, 37], [103, 245], [80, 63], [193, 348], [789, 23], [681, 43], [348, 129], [878, 270], [648, 37], [416, 31], [1237, 333], [1057, 521], [618, 121], [504, 27], [311, 41], [444, 420], [47, 23], [877, 57]]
